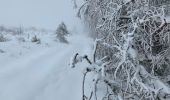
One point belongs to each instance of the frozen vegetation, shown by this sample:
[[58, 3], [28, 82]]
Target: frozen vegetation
[[123, 53], [131, 55]]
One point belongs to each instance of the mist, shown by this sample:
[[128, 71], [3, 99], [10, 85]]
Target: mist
[[38, 13]]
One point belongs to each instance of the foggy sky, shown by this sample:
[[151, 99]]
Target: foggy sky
[[39, 13]]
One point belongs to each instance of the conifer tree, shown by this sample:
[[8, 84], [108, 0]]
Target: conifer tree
[[62, 32]]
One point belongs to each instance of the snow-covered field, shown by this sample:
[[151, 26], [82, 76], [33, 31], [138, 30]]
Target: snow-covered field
[[31, 71]]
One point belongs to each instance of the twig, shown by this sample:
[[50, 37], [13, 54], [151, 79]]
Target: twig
[[109, 96], [95, 51], [74, 60], [96, 89], [91, 95], [79, 11], [160, 28], [84, 77], [88, 60]]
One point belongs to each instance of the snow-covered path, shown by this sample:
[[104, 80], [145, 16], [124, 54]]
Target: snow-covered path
[[44, 74]]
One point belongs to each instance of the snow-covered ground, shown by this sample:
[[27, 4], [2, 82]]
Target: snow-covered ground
[[30, 71]]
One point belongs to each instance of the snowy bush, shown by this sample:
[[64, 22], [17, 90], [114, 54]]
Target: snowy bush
[[36, 40], [133, 42], [2, 38], [62, 32]]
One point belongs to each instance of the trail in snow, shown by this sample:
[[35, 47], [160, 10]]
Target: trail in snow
[[44, 74]]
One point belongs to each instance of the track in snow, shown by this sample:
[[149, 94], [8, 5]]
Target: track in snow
[[45, 74]]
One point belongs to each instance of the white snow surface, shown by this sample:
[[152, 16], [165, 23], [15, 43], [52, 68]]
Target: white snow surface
[[30, 71]]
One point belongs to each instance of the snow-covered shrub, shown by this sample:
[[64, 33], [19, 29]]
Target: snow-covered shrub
[[2, 38], [36, 40], [133, 43], [62, 32]]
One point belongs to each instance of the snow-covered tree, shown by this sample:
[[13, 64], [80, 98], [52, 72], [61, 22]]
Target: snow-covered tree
[[132, 43], [62, 32]]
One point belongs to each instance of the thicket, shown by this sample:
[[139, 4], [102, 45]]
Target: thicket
[[132, 44]]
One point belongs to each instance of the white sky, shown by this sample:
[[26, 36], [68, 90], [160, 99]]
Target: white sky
[[39, 13]]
